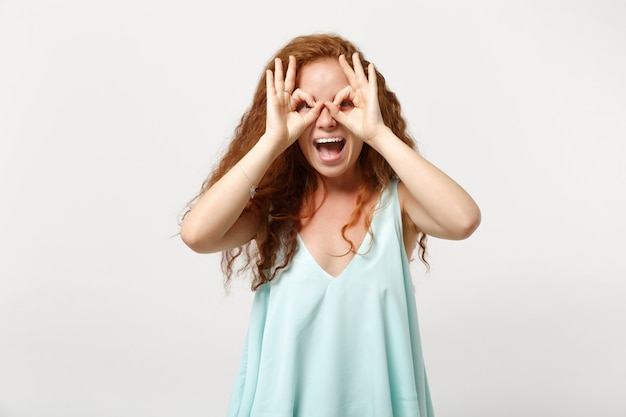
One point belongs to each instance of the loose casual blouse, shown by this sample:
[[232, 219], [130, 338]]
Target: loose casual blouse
[[345, 346]]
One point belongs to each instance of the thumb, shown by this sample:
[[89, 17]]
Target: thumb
[[335, 112], [310, 116]]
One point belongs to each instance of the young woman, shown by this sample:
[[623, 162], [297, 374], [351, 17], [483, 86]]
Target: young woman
[[323, 195]]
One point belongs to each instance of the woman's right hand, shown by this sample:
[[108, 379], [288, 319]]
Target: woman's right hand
[[218, 221], [284, 123]]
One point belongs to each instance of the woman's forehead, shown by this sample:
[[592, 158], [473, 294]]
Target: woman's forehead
[[324, 75]]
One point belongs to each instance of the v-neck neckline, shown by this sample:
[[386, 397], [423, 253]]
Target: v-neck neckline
[[367, 239], [328, 275]]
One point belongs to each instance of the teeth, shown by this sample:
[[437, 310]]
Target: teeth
[[328, 140]]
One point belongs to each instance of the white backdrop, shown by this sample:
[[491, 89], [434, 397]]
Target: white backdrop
[[113, 112]]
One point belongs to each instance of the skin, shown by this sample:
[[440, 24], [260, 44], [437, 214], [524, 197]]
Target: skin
[[331, 101], [322, 80]]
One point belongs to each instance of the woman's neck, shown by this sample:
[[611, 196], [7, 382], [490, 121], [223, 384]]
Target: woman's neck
[[348, 183]]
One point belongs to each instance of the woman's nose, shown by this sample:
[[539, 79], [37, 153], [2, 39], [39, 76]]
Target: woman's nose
[[325, 119]]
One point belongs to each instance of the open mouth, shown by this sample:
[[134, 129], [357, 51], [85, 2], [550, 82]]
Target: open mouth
[[329, 148]]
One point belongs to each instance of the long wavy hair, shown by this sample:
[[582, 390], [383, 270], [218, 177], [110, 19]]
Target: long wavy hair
[[283, 196]]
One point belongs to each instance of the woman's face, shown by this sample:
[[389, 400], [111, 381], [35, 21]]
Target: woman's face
[[330, 148]]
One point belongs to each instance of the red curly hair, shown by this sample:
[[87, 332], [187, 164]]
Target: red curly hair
[[282, 196]]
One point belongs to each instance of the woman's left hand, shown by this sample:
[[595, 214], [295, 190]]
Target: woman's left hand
[[356, 106]]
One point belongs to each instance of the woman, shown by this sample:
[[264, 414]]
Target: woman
[[323, 195]]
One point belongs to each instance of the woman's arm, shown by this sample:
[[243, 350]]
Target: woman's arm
[[217, 221], [435, 203]]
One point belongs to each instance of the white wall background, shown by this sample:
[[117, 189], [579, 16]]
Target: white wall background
[[112, 113]]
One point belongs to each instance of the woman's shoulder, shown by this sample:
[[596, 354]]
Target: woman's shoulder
[[411, 230]]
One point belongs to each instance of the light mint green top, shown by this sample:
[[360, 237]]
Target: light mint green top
[[348, 346]]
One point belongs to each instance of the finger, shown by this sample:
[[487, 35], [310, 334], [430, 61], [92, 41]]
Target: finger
[[345, 93], [312, 115], [278, 75], [358, 68], [348, 71], [290, 78], [335, 112], [300, 96], [372, 80], [269, 82]]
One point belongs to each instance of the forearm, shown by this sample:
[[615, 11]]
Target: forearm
[[215, 222], [442, 200]]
